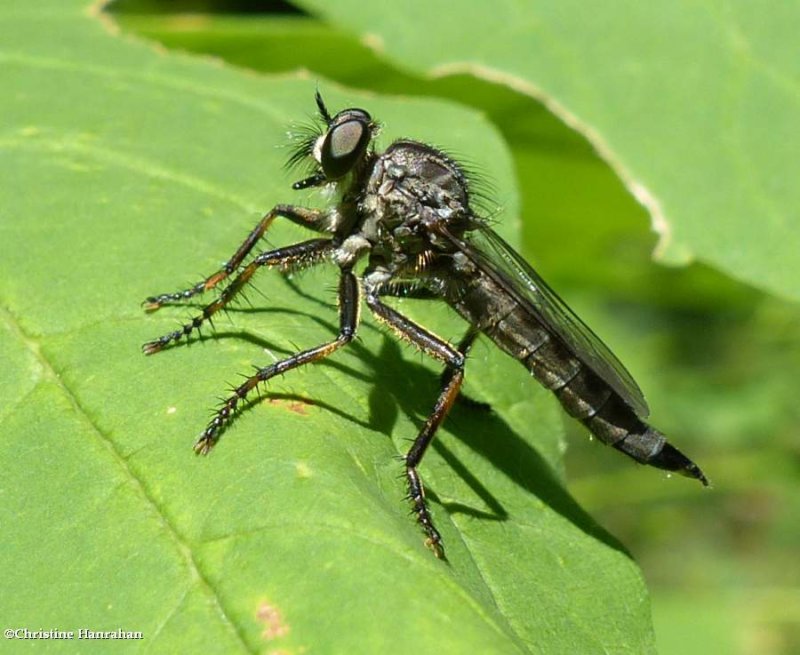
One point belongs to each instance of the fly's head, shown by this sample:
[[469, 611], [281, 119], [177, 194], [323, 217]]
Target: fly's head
[[334, 148]]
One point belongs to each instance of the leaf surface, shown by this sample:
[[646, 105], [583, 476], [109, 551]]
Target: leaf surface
[[129, 171], [694, 104]]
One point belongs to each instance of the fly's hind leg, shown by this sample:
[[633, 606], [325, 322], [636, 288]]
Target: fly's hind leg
[[311, 218], [348, 322], [451, 384], [412, 289], [464, 346]]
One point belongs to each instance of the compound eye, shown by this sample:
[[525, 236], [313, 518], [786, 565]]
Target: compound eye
[[344, 145]]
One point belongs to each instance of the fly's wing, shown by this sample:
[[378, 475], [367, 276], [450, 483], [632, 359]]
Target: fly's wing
[[494, 257]]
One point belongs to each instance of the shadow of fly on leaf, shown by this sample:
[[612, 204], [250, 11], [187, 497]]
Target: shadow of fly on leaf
[[408, 212]]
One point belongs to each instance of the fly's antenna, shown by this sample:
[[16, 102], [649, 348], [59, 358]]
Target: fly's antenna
[[323, 110]]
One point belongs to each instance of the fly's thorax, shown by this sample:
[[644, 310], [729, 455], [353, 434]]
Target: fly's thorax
[[410, 189], [436, 179]]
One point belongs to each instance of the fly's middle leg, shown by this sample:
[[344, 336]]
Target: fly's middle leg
[[451, 384], [348, 322]]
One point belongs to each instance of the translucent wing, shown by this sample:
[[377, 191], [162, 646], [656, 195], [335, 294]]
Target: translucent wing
[[494, 257]]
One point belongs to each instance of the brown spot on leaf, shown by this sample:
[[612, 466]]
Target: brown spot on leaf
[[274, 625], [293, 405]]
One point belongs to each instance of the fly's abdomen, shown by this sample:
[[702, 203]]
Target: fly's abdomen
[[582, 393]]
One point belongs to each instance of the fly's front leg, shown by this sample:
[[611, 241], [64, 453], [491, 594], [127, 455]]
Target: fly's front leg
[[307, 252], [348, 322], [312, 218], [451, 384]]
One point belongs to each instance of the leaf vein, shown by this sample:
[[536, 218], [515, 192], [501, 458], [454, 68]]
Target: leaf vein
[[182, 546]]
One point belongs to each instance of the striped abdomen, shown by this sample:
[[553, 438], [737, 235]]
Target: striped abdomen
[[583, 394]]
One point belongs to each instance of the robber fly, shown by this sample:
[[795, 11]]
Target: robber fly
[[407, 211]]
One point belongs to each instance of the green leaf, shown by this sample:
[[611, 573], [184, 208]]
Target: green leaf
[[129, 171], [694, 105], [715, 358]]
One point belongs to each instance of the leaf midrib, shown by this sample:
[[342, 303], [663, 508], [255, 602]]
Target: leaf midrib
[[50, 374]]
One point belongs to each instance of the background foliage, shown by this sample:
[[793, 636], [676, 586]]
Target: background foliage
[[129, 170]]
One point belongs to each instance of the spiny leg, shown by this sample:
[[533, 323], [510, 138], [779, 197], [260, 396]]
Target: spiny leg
[[312, 218], [412, 289], [451, 384], [453, 379], [307, 252], [464, 346], [348, 322]]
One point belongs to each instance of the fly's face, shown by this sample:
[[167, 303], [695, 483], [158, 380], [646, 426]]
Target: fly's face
[[337, 150], [344, 145]]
